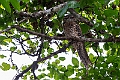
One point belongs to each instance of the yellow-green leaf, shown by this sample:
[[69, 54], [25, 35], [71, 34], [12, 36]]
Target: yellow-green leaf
[[5, 4], [2, 56], [8, 40], [5, 66]]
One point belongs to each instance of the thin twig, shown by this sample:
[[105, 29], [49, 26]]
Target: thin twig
[[63, 49], [5, 30]]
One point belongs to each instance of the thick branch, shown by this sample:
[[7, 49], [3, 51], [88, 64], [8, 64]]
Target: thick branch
[[81, 18], [40, 13], [66, 38], [61, 38], [63, 49]]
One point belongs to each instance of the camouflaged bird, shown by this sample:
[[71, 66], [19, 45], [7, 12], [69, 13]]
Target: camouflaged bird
[[72, 29]]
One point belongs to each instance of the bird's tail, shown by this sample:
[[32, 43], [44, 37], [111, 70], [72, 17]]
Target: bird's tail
[[83, 54]]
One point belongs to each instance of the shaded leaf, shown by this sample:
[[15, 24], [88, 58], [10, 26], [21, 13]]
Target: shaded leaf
[[73, 4], [62, 58], [110, 12], [46, 44], [55, 56], [110, 59], [84, 28], [106, 46], [69, 72], [118, 51], [62, 11]]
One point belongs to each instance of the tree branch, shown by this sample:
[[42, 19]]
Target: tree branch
[[117, 39], [63, 49], [81, 18], [66, 38], [5, 30], [40, 13]]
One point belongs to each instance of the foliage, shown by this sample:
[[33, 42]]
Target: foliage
[[22, 25]]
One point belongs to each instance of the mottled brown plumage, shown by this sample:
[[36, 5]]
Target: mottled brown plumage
[[72, 29]]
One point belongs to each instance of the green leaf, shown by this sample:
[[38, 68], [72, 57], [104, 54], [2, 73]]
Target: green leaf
[[50, 50], [57, 61], [59, 67], [110, 59], [50, 75], [13, 49], [107, 1], [69, 67], [5, 66], [8, 40], [110, 13], [62, 58], [42, 75], [2, 56], [84, 28], [25, 1], [75, 79], [116, 31], [24, 67], [52, 70], [46, 44], [29, 41], [54, 64], [62, 11], [17, 36], [106, 46], [70, 4], [117, 2], [69, 72], [115, 65], [75, 62], [73, 4], [113, 51], [43, 55], [63, 69], [2, 38], [56, 76], [18, 51], [78, 74], [118, 51], [15, 4], [6, 5], [55, 56], [13, 67], [91, 56]]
